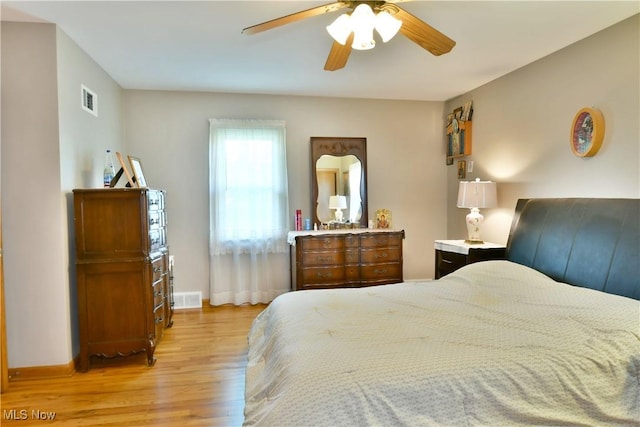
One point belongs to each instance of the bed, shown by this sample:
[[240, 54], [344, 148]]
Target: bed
[[549, 336]]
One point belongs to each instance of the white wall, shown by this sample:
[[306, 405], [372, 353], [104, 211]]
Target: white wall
[[49, 146], [84, 139], [522, 123], [35, 270], [406, 174]]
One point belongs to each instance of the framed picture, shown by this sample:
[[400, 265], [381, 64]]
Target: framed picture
[[125, 170], [462, 169], [383, 218], [136, 167]]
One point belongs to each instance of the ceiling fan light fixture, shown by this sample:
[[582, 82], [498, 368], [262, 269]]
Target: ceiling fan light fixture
[[362, 23], [340, 29], [386, 25], [363, 40]]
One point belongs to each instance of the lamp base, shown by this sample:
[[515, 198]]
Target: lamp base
[[474, 242], [474, 222]]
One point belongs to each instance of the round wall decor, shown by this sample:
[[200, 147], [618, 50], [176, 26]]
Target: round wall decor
[[587, 132]]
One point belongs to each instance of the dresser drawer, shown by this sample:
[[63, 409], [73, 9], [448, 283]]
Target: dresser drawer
[[330, 277], [448, 262], [157, 239], [310, 243], [158, 319], [378, 240], [158, 294], [323, 258], [390, 254], [391, 272], [155, 200], [352, 256], [323, 275], [158, 268], [156, 220]]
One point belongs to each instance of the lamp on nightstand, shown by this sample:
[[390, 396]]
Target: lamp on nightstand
[[475, 195], [338, 203]]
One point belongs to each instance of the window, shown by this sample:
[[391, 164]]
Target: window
[[248, 186]]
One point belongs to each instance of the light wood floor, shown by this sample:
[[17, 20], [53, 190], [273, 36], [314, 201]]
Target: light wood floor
[[198, 379]]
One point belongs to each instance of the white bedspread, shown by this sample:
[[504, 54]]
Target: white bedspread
[[492, 344]]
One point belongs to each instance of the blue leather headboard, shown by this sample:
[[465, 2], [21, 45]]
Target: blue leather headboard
[[593, 243]]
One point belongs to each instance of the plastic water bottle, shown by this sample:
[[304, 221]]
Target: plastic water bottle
[[109, 171]]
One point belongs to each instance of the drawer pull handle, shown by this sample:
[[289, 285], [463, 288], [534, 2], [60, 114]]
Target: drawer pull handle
[[447, 261], [380, 271], [320, 258], [326, 275], [382, 255]]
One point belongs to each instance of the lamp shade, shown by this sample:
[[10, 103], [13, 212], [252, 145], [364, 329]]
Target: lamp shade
[[477, 194], [337, 202], [387, 26], [362, 22], [340, 29]]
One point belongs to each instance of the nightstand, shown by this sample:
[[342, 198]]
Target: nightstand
[[453, 254]]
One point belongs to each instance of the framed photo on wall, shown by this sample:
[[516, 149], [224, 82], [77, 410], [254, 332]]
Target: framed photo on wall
[[136, 168], [462, 169]]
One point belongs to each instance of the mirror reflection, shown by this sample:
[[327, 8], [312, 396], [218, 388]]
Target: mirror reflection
[[339, 176], [339, 169]]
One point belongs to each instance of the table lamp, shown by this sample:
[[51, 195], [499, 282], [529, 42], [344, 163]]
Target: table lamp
[[338, 203], [475, 195]]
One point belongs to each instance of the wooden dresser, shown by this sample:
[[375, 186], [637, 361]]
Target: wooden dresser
[[125, 299], [345, 259]]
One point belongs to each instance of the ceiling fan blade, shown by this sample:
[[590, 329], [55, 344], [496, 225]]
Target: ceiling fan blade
[[338, 55], [331, 7], [423, 34]]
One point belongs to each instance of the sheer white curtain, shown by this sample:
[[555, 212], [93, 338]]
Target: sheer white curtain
[[249, 205]]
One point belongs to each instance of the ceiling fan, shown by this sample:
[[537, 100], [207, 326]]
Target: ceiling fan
[[412, 27]]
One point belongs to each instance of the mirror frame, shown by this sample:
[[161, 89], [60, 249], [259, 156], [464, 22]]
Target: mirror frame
[[339, 147]]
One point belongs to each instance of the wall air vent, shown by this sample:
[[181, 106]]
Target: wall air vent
[[187, 300], [89, 100]]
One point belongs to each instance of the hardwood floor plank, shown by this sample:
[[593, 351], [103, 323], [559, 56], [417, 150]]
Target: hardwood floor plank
[[198, 380]]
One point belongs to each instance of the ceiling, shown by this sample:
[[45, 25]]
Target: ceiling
[[198, 45]]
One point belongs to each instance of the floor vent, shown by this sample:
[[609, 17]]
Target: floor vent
[[187, 300]]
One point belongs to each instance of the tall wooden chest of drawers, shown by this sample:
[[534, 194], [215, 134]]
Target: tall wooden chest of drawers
[[352, 259], [122, 266]]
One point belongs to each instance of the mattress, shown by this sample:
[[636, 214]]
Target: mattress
[[494, 343]]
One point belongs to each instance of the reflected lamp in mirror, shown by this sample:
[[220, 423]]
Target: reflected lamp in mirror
[[475, 195], [338, 203]]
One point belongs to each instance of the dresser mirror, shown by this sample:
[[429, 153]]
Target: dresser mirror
[[339, 167]]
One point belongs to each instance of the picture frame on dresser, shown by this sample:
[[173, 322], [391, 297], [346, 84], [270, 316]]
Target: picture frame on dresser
[[136, 167], [124, 169]]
